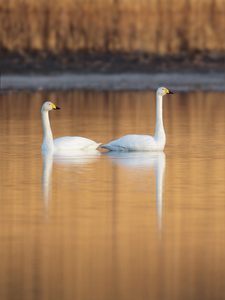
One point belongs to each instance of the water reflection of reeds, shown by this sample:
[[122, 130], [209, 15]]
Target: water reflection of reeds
[[100, 239], [194, 123], [200, 115]]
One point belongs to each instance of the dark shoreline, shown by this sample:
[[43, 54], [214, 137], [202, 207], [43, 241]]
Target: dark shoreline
[[109, 63]]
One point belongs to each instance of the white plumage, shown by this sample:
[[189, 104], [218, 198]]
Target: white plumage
[[62, 145], [74, 143], [134, 142]]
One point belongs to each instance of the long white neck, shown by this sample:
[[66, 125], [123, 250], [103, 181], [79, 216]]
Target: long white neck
[[47, 133], [159, 128]]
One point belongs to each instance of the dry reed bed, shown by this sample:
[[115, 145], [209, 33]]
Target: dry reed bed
[[152, 26]]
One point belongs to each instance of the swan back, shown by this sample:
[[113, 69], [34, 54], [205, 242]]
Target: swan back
[[73, 143], [134, 142]]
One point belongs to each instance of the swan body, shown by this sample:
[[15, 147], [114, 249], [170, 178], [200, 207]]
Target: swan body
[[61, 145], [74, 143], [134, 142]]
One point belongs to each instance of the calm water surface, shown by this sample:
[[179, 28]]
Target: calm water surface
[[119, 226]]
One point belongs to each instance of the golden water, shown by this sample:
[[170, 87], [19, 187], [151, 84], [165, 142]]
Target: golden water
[[113, 227]]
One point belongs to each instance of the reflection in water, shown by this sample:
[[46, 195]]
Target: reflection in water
[[78, 158], [46, 177], [101, 239], [145, 161]]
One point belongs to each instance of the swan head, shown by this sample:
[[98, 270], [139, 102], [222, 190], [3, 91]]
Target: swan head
[[162, 91], [47, 106]]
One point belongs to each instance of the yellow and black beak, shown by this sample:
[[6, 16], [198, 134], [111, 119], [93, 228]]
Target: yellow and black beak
[[54, 106], [170, 92]]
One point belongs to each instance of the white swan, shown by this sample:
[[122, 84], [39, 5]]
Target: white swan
[[63, 145], [134, 142]]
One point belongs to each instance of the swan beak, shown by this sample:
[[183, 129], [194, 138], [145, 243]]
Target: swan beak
[[170, 92], [54, 106]]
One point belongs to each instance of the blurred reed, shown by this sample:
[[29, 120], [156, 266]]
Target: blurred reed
[[151, 26]]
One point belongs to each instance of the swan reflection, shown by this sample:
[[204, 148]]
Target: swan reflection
[[79, 158], [145, 161]]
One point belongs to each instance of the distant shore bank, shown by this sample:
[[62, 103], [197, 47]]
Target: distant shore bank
[[113, 63]]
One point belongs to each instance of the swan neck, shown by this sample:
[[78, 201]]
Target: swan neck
[[159, 128], [47, 132]]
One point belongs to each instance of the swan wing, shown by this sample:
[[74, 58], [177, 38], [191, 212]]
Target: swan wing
[[132, 142], [71, 143]]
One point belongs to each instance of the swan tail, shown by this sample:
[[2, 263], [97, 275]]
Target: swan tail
[[108, 148]]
